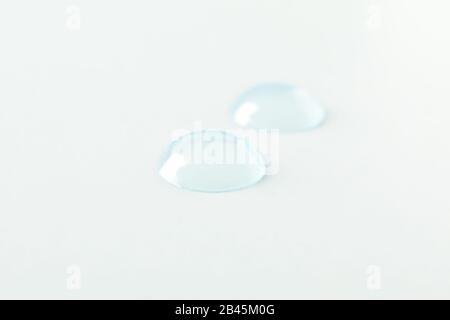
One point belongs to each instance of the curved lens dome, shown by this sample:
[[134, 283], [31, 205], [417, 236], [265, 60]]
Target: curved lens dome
[[277, 106], [211, 161]]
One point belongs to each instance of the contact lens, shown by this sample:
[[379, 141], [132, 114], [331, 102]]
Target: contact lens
[[284, 107], [211, 161]]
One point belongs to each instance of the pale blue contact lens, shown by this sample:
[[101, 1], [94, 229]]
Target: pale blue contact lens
[[211, 161], [277, 106]]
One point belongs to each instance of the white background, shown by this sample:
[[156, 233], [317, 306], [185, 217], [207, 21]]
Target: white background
[[84, 115]]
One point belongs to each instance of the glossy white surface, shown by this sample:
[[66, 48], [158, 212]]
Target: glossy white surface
[[84, 115]]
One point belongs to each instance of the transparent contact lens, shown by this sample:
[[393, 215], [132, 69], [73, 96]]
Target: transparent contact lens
[[212, 161], [277, 106]]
